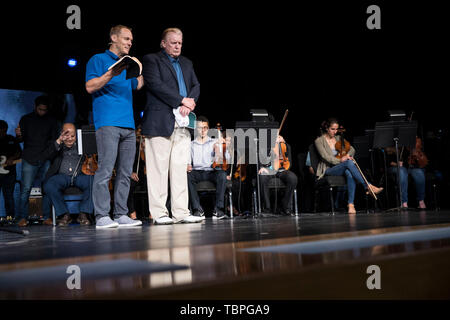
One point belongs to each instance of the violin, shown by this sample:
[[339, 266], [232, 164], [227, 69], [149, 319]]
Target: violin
[[223, 163], [284, 160], [90, 164], [342, 146], [241, 172], [417, 157]]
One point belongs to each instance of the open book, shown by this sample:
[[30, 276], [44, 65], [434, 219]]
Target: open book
[[134, 68]]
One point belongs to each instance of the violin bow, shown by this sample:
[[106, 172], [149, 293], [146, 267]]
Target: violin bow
[[139, 154], [282, 121]]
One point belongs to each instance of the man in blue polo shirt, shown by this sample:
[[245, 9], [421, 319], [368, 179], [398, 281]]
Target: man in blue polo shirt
[[112, 102]]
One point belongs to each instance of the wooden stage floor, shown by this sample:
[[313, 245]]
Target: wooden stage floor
[[311, 256]]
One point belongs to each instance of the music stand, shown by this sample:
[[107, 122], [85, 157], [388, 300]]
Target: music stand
[[86, 141], [395, 134]]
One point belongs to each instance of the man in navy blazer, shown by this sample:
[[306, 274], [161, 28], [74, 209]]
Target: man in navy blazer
[[171, 84]]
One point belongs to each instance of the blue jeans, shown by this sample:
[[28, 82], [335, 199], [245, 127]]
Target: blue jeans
[[113, 143], [352, 174], [55, 186], [418, 176], [29, 174]]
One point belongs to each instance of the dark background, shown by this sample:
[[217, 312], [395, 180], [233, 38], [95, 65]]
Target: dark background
[[316, 58]]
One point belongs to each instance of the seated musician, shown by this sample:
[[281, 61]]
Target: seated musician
[[330, 164], [241, 184], [66, 171], [139, 174], [282, 172], [408, 166], [206, 151]]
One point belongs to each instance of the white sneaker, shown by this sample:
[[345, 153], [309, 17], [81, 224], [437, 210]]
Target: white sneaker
[[164, 220], [192, 219], [125, 221], [105, 222]]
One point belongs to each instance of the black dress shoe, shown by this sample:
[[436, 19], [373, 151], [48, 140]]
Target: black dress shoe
[[287, 212], [64, 220]]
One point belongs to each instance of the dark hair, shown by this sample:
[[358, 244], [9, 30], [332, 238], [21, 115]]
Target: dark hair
[[327, 124], [203, 119], [44, 100], [3, 124]]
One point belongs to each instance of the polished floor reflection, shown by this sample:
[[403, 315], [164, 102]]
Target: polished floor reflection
[[216, 265]]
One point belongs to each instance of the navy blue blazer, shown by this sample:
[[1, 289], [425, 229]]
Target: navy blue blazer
[[162, 92]]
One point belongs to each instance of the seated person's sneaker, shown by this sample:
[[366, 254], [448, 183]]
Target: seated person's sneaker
[[105, 222], [126, 221], [199, 213], [83, 219], [64, 220], [163, 220], [218, 214], [191, 219]]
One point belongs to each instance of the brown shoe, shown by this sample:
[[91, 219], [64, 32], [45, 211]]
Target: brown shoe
[[65, 220], [83, 219], [133, 215], [22, 222], [48, 222]]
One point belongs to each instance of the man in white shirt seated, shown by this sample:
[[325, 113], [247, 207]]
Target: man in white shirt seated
[[204, 152]]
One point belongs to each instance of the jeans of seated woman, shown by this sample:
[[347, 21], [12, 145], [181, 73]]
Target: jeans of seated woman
[[418, 176], [352, 175]]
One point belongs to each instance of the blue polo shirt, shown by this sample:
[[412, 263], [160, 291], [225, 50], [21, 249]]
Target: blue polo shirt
[[112, 105]]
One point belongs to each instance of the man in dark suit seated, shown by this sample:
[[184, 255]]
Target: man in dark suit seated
[[64, 172]]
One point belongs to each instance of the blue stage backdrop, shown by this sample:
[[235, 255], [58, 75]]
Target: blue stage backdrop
[[13, 105]]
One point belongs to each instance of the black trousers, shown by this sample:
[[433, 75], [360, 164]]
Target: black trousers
[[7, 183], [290, 180]]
